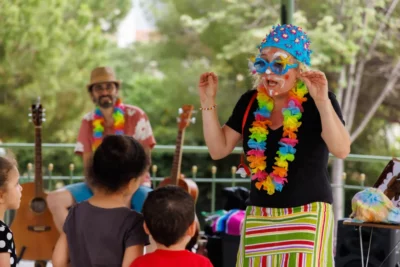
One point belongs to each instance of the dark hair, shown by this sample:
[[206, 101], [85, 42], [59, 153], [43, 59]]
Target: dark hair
[[117, 161], [6, 164], [168, 212]]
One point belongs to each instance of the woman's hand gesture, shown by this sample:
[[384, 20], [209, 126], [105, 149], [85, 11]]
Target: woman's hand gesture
[[208, 86]]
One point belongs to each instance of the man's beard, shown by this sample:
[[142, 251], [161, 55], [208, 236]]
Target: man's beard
[[105, 101]]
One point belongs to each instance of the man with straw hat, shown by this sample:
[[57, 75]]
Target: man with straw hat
[[110, 116]]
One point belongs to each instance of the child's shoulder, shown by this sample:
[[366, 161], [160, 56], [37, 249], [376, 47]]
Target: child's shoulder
[[6, 238], [4, 229], [143, 260], [85, 209], [194, 259], [202, 260], [134, 215]]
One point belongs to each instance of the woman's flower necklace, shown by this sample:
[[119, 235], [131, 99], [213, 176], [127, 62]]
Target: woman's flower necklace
[[98, 123], [292, 114]]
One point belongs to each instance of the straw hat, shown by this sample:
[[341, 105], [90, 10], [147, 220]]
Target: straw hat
[[102, 75]]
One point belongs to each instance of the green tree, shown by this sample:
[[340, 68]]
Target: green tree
[[48, 49]]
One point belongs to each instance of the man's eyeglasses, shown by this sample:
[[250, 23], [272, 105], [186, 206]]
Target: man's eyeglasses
[[98, 88]]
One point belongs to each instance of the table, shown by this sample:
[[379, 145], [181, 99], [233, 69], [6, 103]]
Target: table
[[371, 225]]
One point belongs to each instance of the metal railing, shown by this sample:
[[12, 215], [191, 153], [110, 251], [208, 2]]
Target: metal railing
[[233, 180], [188, 149]]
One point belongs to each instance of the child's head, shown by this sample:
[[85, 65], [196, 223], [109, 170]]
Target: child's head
[[10, 189], [169, 214], [117, 164]]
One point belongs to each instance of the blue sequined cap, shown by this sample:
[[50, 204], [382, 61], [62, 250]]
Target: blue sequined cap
[[290, 38]]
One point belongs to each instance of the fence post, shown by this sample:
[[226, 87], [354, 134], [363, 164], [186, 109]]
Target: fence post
[[213, 187], [29, 171], [154, 173], [194, 172], [71, 172], [233, 170], [50, 168], [362, 179], [344, 176]]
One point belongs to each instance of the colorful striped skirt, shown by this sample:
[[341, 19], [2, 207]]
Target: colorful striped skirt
[[298, 237]]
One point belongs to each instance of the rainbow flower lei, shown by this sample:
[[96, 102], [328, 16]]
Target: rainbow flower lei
[[292, 114], [98, 123]]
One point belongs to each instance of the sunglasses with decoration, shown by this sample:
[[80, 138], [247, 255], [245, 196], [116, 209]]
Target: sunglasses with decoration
[[277, 66]]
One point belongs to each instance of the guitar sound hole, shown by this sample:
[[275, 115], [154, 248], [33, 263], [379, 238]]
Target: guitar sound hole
[[38, 205]]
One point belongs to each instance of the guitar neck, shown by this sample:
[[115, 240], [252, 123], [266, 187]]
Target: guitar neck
[[176, 164], [38, 161]]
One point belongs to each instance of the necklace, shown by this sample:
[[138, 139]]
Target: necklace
[[292, 114], [98, 123]]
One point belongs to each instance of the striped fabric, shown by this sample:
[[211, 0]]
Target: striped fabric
[[298, 237]]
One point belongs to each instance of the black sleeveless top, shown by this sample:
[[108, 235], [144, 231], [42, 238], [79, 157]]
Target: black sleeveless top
[[308, 178]]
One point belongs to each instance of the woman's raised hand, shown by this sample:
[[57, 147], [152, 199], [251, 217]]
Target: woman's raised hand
[[208, 86]]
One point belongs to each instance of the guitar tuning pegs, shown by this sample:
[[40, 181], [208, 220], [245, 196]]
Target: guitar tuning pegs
[[44, 119], [30, 120], [30, 114], [193, 120], [180, 110]]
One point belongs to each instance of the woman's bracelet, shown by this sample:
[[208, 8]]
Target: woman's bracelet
[[209, 108]]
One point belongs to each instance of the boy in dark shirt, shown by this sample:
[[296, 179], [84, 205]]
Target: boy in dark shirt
[[169, 216]]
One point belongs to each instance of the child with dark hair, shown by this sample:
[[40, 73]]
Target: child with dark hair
[[10, 198], [104, 231], [169, 215]]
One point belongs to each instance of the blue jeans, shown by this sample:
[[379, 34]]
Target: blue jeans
[[81, 192]]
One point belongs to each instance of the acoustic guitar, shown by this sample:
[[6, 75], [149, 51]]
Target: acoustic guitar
[[177, 178], [35, 234]]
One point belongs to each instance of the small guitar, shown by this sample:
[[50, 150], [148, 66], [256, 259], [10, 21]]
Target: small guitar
[[35, 234], [177, 178]]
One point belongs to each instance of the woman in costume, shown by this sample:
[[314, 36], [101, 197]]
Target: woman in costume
[[288, 124]]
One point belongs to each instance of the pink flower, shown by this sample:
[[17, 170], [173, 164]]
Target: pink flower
[[259, 117], [260, 176], [257, 153], [278, 179], [289, 141]]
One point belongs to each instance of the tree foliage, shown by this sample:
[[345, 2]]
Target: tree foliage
[[47, 49]]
